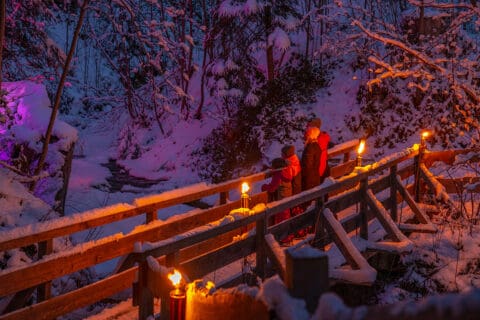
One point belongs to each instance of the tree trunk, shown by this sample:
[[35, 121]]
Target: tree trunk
[[421, 20], [2, 36], [268, 29], [58, 95], [198, 113], [308, 28]]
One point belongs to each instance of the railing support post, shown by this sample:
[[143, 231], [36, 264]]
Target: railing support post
[[145, 296], [363, 209], [306, 276], [44, 290], [224, 197], [417, 162], [393, 193], [261, 253], [151, 216], [320, 234]]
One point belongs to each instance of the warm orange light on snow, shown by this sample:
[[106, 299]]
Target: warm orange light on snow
[[175, 277]]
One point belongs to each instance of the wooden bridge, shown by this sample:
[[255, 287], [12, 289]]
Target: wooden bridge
[[203, 241]]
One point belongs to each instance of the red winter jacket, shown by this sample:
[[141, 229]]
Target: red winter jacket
[[279, 187], [292, 171], [323, 140]]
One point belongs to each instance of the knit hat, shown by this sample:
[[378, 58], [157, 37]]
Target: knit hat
[[315, 122], [278, 163], [312, 133], [288, 151]]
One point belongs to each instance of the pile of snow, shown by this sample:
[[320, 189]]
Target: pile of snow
[[25, 122]]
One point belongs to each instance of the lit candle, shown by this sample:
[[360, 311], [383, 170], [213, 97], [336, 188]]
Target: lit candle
[[244, 196], [177, 297], [424, 135], [360, 150]]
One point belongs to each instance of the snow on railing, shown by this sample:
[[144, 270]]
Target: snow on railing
[[343, 147]]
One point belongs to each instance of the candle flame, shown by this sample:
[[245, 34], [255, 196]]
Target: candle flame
[[425, 134], [361, 147], [245, 187], [210, 285], [175, 277]]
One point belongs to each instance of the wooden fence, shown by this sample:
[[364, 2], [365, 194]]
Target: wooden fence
[[203, 250]]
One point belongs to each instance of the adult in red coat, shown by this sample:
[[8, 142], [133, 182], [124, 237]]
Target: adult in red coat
[[323, 140], [311, 159]]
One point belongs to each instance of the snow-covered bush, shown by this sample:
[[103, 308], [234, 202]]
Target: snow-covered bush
[[26, 115]]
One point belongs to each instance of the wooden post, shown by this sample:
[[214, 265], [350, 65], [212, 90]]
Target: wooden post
[[44, 290], [224, 197], [306, 275], [145, 296], [363, 209], [261, 253], [320, 234], [151, 216], [417, 162], [393, 193], [346, 156]]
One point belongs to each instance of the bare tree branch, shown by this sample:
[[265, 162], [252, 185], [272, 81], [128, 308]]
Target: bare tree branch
[[58, 95], [417, 54]]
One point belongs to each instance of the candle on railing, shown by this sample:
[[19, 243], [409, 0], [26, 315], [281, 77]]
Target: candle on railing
[[244, 196], [424, 135], [177, 297], [360, 150]]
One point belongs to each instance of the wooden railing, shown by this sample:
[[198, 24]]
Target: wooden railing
[[20, 282], [208, 245]]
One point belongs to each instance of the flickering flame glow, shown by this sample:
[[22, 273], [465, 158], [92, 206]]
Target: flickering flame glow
[[210, 285], [425, 134], [361, 147], [175, 277], [245, 187]]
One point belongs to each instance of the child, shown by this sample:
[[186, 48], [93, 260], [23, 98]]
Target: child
[[293, 168], [279, 187]]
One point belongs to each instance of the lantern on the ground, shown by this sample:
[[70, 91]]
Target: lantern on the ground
[[177, 297], [244, 196], [360, 150]]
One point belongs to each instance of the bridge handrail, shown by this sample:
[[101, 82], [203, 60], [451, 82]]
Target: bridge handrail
[[30, 234], [343, 148], [59, 264], [44, 270]]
